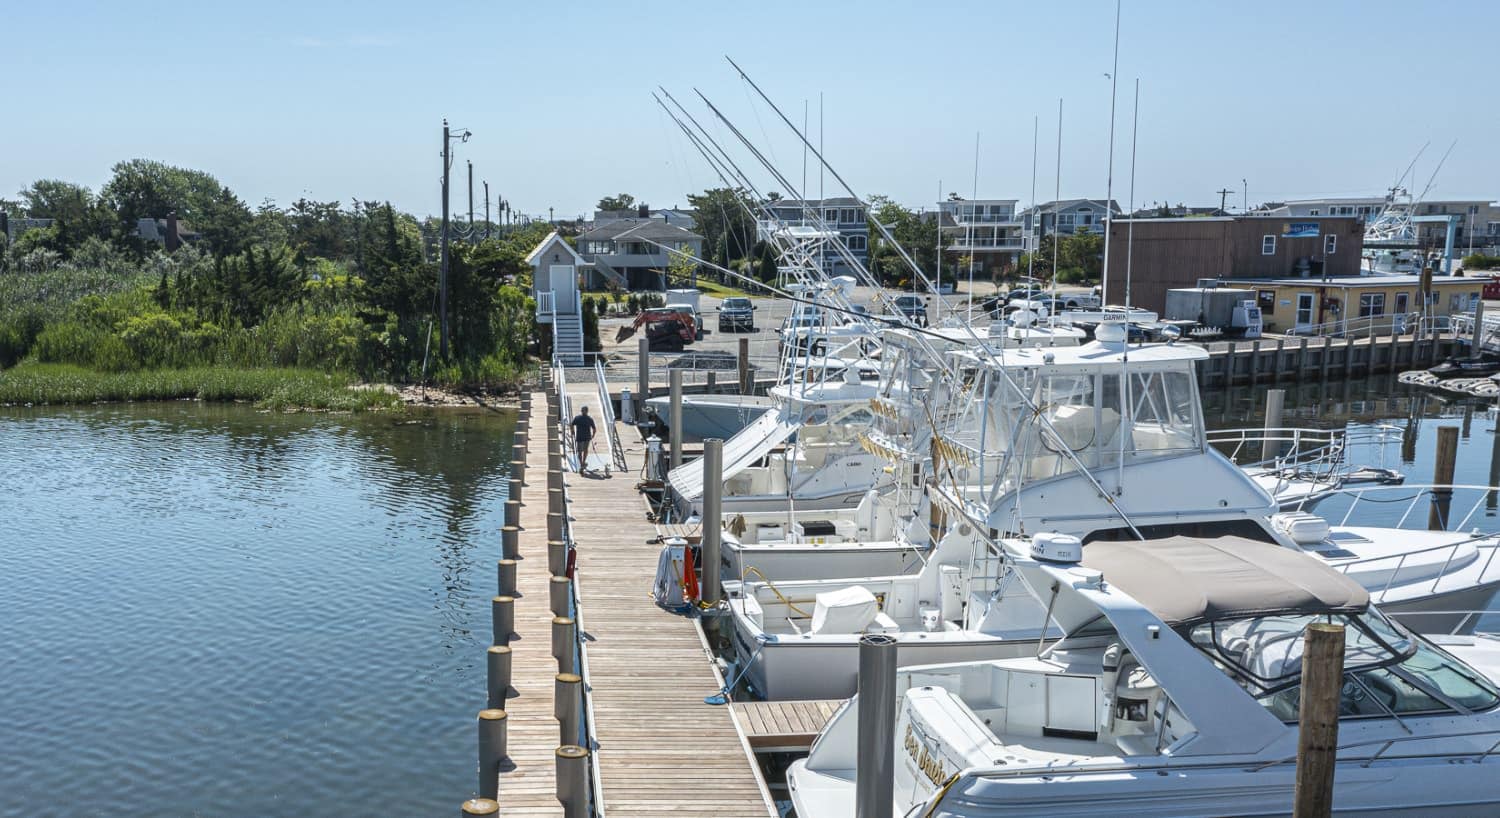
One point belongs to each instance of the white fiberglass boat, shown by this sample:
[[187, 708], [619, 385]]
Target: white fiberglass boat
[[1175, 692]]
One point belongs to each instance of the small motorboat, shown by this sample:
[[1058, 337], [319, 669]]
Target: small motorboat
[[1458, 367]]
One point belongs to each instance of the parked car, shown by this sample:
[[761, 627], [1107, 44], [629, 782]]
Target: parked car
[[693, 311], [736, 315], [913, 307]]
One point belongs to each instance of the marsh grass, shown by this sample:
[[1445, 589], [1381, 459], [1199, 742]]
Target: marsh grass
[[277, 389]]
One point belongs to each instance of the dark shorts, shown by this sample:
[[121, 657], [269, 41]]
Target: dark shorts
[[581, 443]]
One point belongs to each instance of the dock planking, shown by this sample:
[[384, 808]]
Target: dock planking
[[528, 779], [784, 727], [659, 749]]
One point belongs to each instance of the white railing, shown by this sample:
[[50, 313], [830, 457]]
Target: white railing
[[560, 383], [546, 306], [1437, 501], [607, 417]]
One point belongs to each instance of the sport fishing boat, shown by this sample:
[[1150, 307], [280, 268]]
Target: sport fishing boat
[[1174, 690], [1073, 442]]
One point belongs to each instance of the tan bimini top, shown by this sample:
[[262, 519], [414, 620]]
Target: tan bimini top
[[1185, 580]]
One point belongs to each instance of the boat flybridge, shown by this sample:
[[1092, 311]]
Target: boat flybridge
[[1076, 443], [1174, 690]]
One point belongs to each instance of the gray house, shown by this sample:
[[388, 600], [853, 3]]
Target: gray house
[[1067, 217], [843, 215], [630, 253]]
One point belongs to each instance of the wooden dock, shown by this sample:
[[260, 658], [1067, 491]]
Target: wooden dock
[[658, 749], [784, 727]]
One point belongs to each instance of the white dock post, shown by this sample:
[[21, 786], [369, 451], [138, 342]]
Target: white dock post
[[1476, 346], [491, 751], [713, 514], [567, 706], [875, 762], [497, 666], [572, 780], [675, 421]]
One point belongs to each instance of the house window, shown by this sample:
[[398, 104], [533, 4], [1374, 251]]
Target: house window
[[831, 216], [1371, 305], [1313, 212], [1330, 243], [854, 242], [848, 216], [1402, 302], [1268, 245], [1065, 220]]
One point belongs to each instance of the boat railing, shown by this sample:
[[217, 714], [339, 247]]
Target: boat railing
[[1321, 450], [1438, 502], [1464, 622]]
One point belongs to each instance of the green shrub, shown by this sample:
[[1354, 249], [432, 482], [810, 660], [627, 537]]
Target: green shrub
[[1480, 261]]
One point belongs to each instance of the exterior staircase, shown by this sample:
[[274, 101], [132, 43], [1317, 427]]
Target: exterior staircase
[[611, 274], [567, 338]]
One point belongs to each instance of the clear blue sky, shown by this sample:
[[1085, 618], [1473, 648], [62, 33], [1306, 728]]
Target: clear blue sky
[[337, 100]]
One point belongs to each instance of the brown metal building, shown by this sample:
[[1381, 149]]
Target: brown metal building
[[1168, 253]]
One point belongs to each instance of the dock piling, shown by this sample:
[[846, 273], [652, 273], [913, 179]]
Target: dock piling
[[491, 751], [481, 806], [1318, 719], [502, 619], [513, 487], [559, 594], [564, 640], [643, 371], [513, 513], [674, 423], [510, 542], [1442, 478], [556, 501], [554, 525], [505, 571], [1275, 401], [572, 780], [742, 365], [567, 707], [875, 760], [557, 558], [713, 514], [497, 667]]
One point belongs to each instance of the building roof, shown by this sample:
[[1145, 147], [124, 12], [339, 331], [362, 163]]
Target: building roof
[[1242, 216], [1186, 579], [643, 229], [1360, 281], [1064, 204], [836, 201], [553, 237]]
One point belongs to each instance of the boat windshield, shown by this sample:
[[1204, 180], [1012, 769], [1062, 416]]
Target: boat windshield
[[1387, 671]]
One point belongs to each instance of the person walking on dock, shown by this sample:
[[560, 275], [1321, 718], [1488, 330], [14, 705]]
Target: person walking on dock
[[583, 435]]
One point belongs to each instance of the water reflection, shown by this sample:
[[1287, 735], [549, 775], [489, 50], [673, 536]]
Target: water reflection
[[273, 614]]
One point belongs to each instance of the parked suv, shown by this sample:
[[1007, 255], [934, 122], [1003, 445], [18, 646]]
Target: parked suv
[[913, 307], [736, 315]]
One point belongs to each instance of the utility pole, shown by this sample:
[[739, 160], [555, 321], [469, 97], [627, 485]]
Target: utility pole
[[471, 195], [1245, 202], [443, 267], [1223, 197], [486, 209]]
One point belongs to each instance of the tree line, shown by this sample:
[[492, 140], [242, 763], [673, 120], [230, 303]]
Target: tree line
[[321, 285]]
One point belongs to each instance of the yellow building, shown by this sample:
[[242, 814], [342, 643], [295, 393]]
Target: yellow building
[[1356, 305]]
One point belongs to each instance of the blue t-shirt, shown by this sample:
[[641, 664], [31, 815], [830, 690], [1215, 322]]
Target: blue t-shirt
[[583, 428]]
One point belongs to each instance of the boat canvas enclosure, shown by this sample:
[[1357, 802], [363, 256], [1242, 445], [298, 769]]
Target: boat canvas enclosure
[[741, 451], [1186, 580]]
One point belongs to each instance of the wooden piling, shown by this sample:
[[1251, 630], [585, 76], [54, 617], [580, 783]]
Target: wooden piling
[[567, 707], [502, 619], [491, 751], [712, 526], [674, 421], [1327, 359], [497, 667], [1254, 362], [742, 364], [481, 806], [1229, 359], [564, 642], [510, 542], [559, 595], [513, 513], [1301, 358], [1318, 720], [643, 372], [557, 558], [1276, 363], [554, 525], [505, 573], [1442, 477], [513, 487], [572, 780]]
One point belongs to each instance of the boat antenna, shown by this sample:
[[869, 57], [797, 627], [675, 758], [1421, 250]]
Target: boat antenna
[[937, 304], [1109, 181], [1056, 199], [1030, 257], [1125, 397], [970, 233]]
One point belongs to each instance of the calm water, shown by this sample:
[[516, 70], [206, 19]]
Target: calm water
[[211, 610]]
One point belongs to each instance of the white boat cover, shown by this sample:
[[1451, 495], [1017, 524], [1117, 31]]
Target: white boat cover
[[847, 610], [749, 445]]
